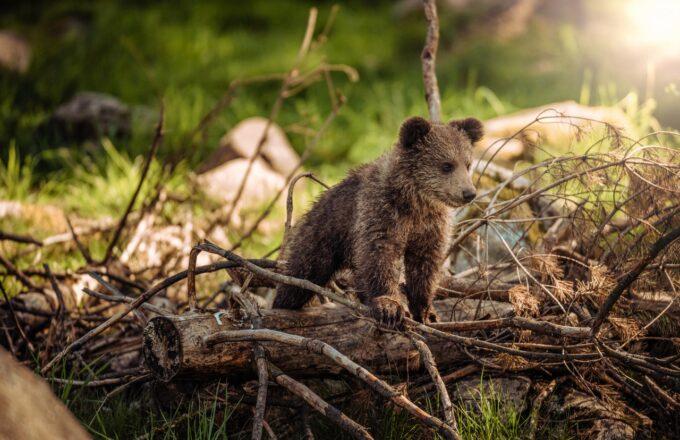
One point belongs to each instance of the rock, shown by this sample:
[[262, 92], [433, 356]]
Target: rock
[[223, 182], [511, 392], [562, 123], [613, 420], [15, 52], [242, 141], [33, 301], [89, 116], [125, 361], [29, 408], [499, 148], [492, 250]]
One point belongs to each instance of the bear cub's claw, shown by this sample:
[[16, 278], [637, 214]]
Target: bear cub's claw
[[388, 312], [427, 315]]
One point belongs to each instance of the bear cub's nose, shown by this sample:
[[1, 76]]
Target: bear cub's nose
[[469, 195]]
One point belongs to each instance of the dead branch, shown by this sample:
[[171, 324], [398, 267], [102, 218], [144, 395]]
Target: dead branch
[[316, 402], [541, 327], [26, 281], [292, 73], [172, 344], [262, 379], [303, 157], [158, 137], [6, 236], [430, 365], [321, 348], [134, 305], [289, 203], [631, 276], [429, 59], [536, 408]]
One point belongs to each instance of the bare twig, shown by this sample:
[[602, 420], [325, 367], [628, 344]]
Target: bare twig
[[26, 281], [289, 203], [536, 408], [665, 395], [305, 154], [158, 137], [6, 236], [431, 367], [83, 250], [313, 400], [320, 347], [542, 327], [16, 320], [137, 303], [262, 379], [57, 291], [631, 276], [429, 59], [302, 52]]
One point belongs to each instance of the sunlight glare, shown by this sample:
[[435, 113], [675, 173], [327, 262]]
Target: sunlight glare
[[656, 22]]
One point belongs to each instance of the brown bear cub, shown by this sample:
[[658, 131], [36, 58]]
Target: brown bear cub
[[386, 218]]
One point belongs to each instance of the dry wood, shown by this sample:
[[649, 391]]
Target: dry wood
[[431, 366], [663, 242], [313, 400], [19, 238], [172, 344], [447, 378], [262, 385], [136, 304], [429, 59], [158, 137], [321, 348], [542, 327], [536, 408], [360, 308]]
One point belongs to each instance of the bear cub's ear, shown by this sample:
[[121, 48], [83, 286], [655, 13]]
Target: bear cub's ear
[[412, 130], [472, 127]]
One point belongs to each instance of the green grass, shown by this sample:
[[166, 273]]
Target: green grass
[[488, 418], [214, 416], [188, 54]]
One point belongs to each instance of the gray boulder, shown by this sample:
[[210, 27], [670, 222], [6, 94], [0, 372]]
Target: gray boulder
[[90, 116]]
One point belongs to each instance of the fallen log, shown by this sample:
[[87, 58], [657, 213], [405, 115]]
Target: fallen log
[[173, 345]]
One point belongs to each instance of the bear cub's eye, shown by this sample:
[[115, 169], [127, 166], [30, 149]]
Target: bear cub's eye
[[447, 167]]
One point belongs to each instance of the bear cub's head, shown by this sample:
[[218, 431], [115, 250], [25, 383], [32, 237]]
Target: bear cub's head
[[438, 158]]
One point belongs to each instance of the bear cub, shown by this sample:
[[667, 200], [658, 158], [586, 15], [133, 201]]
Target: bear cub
[[386, 218]]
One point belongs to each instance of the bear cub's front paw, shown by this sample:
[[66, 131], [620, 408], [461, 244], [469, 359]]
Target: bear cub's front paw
[[388, 312], [426, 315]]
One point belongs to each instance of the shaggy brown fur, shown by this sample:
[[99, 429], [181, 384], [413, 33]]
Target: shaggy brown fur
[[388, 217]]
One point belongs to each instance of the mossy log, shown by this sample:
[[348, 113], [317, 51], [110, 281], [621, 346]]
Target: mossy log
[[173, 345]]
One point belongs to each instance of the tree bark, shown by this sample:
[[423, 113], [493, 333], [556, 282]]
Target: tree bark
[[173, 344]]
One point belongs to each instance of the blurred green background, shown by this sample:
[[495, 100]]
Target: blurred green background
[[188, 52]]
